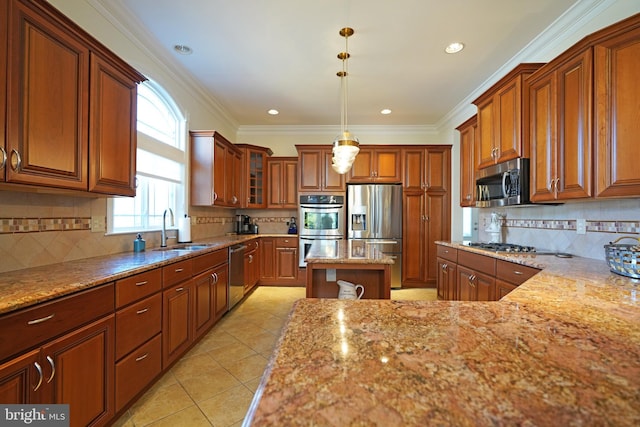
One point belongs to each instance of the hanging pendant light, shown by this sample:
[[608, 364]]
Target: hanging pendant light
[[345, 146]]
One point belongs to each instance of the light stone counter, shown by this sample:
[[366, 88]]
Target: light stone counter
[[562, 349]]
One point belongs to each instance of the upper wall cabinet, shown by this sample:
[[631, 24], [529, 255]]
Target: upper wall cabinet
[[377, 165], [4, 19], [216, 170], [468, 135], [71, 105], [616, 54], [254, 179], [315, 173], [502, 114]]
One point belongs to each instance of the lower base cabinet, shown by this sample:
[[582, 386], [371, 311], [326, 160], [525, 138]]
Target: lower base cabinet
[[177, 323], [279, 261], [136, 370]]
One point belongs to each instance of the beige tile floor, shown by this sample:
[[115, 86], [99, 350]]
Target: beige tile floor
[[213, 384]]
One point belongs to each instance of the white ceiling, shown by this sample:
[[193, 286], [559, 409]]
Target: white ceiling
[[253, 55]]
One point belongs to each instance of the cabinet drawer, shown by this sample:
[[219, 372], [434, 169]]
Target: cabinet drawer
[[477, 262], [176, 273], [30, 327], [514, 273], [136, 287], [135, 371], [447, 253], [137, 323], [210, 260], [286, 242]]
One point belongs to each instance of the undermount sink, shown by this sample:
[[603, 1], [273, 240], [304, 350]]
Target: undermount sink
[[188, 247]]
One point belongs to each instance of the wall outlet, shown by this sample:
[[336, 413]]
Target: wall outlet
[[98, 224], [581, 226], [331, 274]]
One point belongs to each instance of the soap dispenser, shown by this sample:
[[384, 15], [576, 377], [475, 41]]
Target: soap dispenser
[[139, 244]]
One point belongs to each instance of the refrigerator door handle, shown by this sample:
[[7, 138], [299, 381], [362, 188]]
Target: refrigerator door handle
[[384, 242]]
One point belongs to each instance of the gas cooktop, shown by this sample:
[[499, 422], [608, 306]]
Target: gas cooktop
[[502, 247]]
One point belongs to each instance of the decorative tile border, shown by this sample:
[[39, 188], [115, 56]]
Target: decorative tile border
[[201, 220], [631, 227], [35, 225]]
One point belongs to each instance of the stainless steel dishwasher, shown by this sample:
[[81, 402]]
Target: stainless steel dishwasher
[[236, 274]]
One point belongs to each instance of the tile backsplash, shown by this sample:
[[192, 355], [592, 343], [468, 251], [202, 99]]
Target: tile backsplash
[[554, 227]]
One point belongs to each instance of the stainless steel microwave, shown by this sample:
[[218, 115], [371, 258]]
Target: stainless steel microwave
[[504, 184]]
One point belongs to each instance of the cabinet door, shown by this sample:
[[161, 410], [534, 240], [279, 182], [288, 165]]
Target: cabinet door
[[20, 379], [333, 181], [438, 169], [485, 286], [413, 169], [438, 225], [442, 284], [275, 184], [574, 147], [414, 271], [290, 184], [219, 172], [310, 174], [4, 25], [177, 321], [233, 169], [48, 78], [220, 282], [465, 284], [203, 297], [387, 165], [467, 166], [502, 289], [616, 71], [508, 122], [543, 137], [362, 168], [83, 372], [484, 152], [256, 179], [267, 259], [287, 263], [112, 126]]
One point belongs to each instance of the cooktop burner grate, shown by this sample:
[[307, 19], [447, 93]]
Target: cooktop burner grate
[[502, 247]]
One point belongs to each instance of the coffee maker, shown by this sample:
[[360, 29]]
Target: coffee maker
[[244, 225]]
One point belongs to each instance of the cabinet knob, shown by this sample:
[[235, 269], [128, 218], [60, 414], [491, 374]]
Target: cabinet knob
[[468, 197]]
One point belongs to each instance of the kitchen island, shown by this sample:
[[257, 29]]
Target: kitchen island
[[352, 261], [561, 349]]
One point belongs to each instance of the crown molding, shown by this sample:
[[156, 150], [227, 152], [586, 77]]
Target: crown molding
[[335, 129]]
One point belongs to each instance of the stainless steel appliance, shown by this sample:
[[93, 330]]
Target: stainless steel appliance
[[504, 184], [374, 215], [236, 274], [306, 242], [321, 218], [245, 226]]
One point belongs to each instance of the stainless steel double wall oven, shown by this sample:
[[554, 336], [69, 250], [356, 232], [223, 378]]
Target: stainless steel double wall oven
[[322, 217]]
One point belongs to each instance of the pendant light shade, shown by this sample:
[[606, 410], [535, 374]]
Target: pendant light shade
[[345, 146]]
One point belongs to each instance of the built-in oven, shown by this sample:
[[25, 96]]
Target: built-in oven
[[306, 242], [321, 216]]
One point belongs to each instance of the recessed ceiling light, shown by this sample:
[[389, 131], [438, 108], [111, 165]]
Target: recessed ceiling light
[[454, 47], [385, 111], [273, 112], [183, 49]]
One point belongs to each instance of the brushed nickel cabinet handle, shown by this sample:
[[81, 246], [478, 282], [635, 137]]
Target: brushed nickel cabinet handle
[[144, 356], [519, 273], [4, 158], [42, 319], [215, 277], [53, 369], [142, 283], [180, 289], [144, 310], [16, 161], [39, 369], [179, 270]]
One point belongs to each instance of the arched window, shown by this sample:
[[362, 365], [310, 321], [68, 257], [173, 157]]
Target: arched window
[[161, 165]]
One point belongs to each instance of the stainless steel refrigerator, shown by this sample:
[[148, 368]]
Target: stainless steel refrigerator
[[374, 217]]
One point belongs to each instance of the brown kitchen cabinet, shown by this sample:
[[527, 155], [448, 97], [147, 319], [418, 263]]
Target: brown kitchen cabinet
[[502, 118], [67, 348], [315, 174], [560, 96], [254, 182], [283, 182], [251, 265], [177, 311], [71, 106], [426, 211], [216, 170], [475, 277], [279, 261], [468, 135], [4, 59], [211, 275], [376, 165], [447, 273], [616, 56]]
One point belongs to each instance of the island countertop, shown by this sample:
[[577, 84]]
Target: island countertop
[[561, 349], [346, 252]]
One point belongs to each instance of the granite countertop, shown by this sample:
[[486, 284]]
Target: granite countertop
[[561, 349], [22, 288], [346, 252]]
